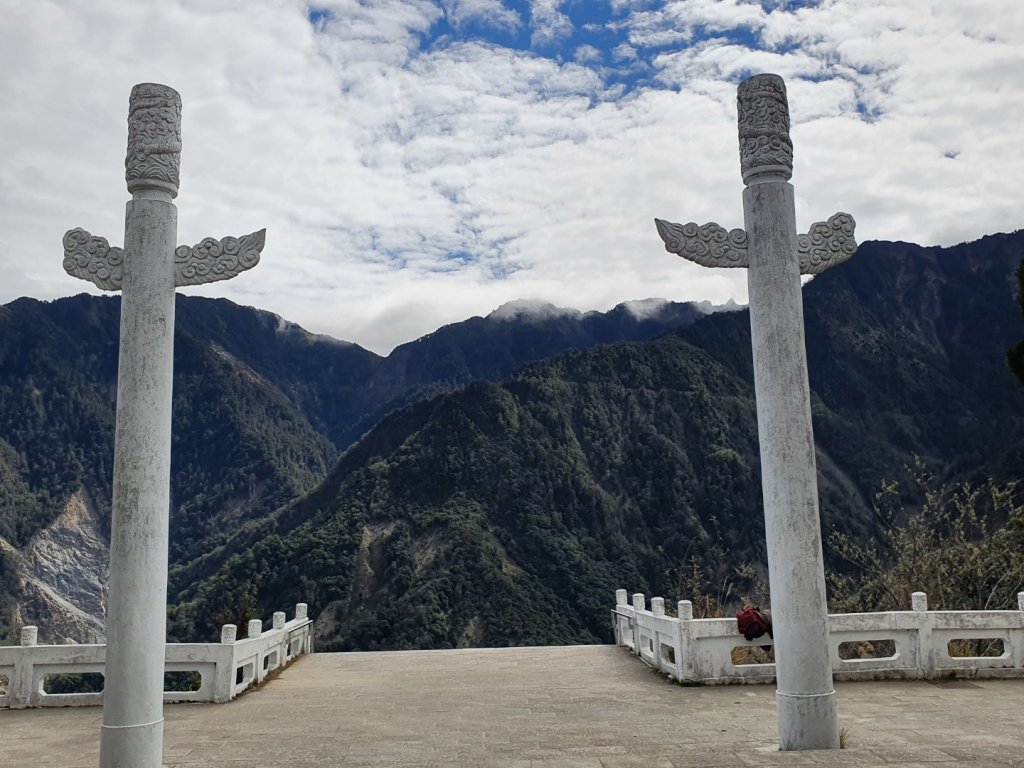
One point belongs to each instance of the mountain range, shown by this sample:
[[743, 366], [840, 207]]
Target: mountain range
[[261, 410], [494, 482]]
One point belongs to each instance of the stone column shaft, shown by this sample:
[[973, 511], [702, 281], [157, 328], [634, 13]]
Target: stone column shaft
[[132, 730], [805, 696], [775, 256], [147, 270]]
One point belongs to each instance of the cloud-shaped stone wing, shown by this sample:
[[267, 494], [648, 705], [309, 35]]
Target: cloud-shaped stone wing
[[708, 245], [213, 260], [92, 258], [827, 244]]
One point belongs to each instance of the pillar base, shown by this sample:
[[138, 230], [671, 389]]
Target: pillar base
[[132, 746], [807, 721]]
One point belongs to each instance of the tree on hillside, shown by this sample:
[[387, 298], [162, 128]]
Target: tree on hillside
[[1015, 357], [962, 547]]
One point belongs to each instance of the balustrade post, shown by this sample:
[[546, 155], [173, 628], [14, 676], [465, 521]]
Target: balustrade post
[[684, 609], [638, 606], [1017, 635], [925, 651], [658, 609], [255, 628], [19, 684], [684, 641], [224, 669], [278, 620], [301, 611], [620, 600], [686, 661]]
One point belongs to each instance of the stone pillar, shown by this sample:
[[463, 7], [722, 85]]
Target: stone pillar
[[805, 696], [301, 611], [29, 635], [278, 619], [685, 664], [775, 257], [925, 651], [147, 270], [621, 598], [132, 731], [228, 633], [255, 628], [639, 601]]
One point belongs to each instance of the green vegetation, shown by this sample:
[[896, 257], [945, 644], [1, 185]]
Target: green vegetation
[[1015, 357], [962, 547], [508, 513], [505, 514]]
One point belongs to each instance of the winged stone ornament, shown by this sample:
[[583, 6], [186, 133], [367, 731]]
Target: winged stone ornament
[[92, 258], [827, 244], [708, 244], [212, 260]]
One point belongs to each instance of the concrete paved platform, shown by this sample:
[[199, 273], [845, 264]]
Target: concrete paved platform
[[565, 707]]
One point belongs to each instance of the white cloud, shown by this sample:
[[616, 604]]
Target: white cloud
[[550, 26], [406, 183], [488, 13], [624, 52], [588, 54]]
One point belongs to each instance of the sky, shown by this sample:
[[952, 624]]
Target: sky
[[418, 162]]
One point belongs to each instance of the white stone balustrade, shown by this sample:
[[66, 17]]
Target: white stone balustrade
[[225, 669], [700, 650]]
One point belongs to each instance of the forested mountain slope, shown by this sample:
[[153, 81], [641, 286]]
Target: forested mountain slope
[[508, 513], [260, 409]]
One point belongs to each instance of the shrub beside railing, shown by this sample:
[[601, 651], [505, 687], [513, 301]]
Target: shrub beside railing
[[215, 672], [919, 643]]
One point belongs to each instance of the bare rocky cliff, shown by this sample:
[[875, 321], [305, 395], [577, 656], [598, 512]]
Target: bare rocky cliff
[[63, 573]]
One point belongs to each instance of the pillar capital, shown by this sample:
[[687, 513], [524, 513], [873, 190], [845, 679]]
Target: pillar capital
[[154, 138], [766, 151]]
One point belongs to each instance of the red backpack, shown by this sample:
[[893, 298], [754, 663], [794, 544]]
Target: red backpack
[[752, 622]]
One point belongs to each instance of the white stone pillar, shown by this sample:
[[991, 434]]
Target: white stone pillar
[[132, 731], [29, 635], [255, 628], [775, 257], [278, 620], [925, 650], [147, 270], [805, 696], [301, 611], [228, 633]]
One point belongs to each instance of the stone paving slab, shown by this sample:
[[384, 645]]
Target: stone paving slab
[[562, 707]]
